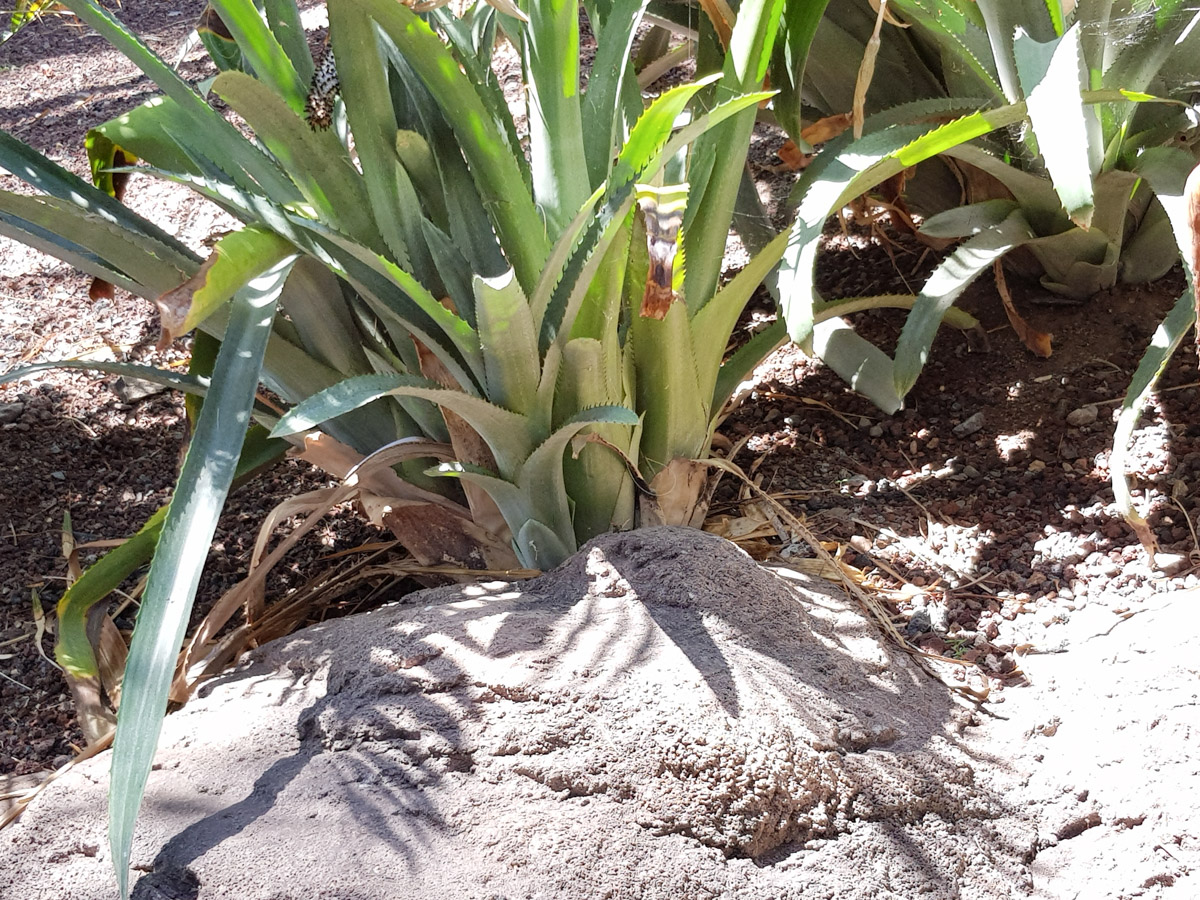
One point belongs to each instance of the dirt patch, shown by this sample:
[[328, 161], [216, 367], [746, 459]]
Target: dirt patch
[[987, 500]]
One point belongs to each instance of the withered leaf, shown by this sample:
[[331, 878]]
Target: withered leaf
[[1038, 342], [174, 305], [662, 209]]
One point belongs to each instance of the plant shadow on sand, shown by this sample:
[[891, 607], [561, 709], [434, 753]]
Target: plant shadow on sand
[[660, 709]]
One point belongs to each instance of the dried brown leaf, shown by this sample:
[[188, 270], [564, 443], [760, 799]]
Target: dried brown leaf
[[866, 70], [722, 18], [436, 535], [818, 132], [663, 222], [827, 129], [469, 448], [1038, 342], [887, 15], [680, 495], [174, 305]]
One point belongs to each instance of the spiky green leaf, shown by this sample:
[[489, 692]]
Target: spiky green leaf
[[204, 480], [946, 285]]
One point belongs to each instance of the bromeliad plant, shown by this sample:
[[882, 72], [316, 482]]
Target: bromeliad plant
[[529, 333], [460, 268]]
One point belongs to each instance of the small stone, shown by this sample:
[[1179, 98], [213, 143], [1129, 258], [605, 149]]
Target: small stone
[[58, 476], [918, 624], [1171, 563], [1085, 415], [864, 423], [939, 617], [131, 390], [861, 544], [969, 426], [10, 412], [934, 645], [970, 471], [1036, 466], [1113, 529], [876, 431]]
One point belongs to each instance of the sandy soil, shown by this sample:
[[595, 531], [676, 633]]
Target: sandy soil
[[660, 717]]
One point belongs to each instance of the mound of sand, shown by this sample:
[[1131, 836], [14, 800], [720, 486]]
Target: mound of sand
[[660, 717]]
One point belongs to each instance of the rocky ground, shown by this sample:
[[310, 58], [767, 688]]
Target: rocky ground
[[983, 512], [990, 493]]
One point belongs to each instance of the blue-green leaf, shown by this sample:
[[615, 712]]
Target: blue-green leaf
[[860, 363], [51, 178], [204, 481], [964, 221], [210, 133], [603, 116], [509, 343], [1068, 134], [944, 286], [262, 50]]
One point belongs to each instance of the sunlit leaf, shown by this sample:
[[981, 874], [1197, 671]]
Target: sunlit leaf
[[236, 260], [204, 480]]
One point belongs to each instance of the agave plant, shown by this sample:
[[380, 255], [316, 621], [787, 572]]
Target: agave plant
[[529, 336], [1096, 67], [1101, 83], [1072, 130]]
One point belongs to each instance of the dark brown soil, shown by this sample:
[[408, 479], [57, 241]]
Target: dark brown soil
[[994, 532]]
